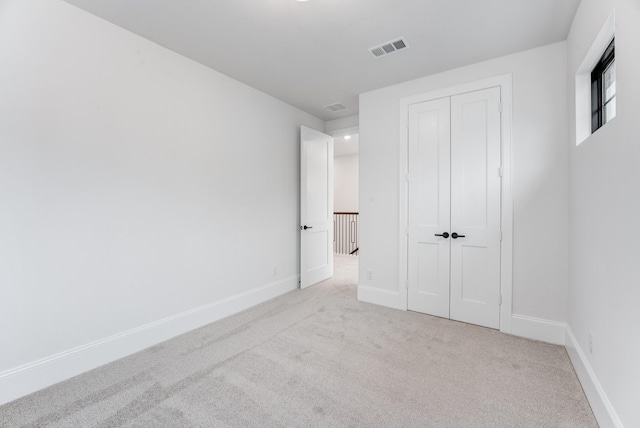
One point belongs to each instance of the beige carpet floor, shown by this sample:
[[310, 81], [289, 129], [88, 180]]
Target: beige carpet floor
[[319, 358]]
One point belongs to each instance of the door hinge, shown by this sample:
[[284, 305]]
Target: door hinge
[[408, 177], [406, 285], [500, 300], [500, 107], [406, 230], [500, 235], [500, 171]]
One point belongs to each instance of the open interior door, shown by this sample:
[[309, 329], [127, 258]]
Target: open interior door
[[316, 207]]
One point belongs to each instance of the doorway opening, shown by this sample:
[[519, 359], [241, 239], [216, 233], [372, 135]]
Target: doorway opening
[[329, 206], [346, 202]]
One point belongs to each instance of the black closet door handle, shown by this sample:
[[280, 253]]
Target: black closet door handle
[[305, 227], [456, 236], [444, 235]]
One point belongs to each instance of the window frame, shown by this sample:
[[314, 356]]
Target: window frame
[[598, 102]]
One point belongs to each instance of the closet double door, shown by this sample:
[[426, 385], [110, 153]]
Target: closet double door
[[454, 191]]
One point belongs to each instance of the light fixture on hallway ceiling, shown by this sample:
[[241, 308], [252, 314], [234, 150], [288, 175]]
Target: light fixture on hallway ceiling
[[347, 137]]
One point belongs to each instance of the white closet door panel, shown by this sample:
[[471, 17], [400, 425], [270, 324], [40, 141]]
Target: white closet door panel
[[429, 207], [475, 207]]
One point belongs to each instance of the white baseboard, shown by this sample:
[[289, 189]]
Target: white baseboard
[[600, 404], [538, 329], [379, 296], [31, 377]]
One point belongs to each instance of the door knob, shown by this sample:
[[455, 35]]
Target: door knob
[[305, 227], [456, 236], [444, 235]]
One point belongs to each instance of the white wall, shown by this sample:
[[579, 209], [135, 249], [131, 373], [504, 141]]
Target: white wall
[[345, 183], [343, 123], [135, 184], [604, 292], [540, 178]]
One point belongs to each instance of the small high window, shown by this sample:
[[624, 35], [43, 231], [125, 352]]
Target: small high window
[[603, 89]]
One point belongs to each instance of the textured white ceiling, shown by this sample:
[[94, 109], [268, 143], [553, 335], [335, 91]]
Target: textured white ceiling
[[310, 54]]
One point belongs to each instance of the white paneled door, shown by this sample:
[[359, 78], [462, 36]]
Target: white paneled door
[[429, 207], [316, 207], [454, 207]]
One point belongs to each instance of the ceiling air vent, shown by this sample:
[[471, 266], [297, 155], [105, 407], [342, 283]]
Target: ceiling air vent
[[389, 47], [335, 107]]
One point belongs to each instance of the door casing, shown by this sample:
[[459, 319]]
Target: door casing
[[506, 246]]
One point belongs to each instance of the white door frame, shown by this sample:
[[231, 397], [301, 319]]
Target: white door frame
[[506, 246]]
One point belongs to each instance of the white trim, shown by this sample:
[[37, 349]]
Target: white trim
[[538, 329], [381, 297], [31, 377], [602, 409], [506, 270]]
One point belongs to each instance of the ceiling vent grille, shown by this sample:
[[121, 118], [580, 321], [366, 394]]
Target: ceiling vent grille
[[389, 47], [336, 107]]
